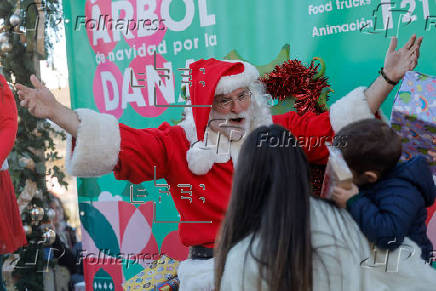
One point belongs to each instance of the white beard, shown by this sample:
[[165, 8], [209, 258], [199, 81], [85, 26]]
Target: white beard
[[231, 136], [221, 123], [201, 161]]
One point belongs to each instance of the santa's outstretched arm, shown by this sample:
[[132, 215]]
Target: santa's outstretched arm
[[313, 130], [365, 102], [42, 104], [97, 144], [397, 63]]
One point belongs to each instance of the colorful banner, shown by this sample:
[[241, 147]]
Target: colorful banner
[[111, 47]]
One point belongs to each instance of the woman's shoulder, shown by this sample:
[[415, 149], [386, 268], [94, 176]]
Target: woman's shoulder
[[241, 271], [238, 256], [325, 213], [333, 226]]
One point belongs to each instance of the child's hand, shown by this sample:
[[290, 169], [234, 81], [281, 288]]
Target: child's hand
[[433, 155], [341, 195]]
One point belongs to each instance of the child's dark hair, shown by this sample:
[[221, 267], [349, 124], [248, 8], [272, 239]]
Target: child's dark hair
[[371, 145]]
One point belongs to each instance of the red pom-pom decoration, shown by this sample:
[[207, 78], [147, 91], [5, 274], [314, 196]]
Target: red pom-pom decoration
[[294, 80]]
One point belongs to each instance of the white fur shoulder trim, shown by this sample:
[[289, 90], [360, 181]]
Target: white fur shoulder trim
[[188, 126], [383, 117], [351, 108], [97, 145]]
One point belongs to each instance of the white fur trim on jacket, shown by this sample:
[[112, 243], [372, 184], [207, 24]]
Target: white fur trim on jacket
[[383, 117], [196, 275], [351, 108], [5, 165], [229, 83], [188, 125], [97, 145], [201, 158]]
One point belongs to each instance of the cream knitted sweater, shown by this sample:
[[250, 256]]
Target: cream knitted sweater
[[344, 259]]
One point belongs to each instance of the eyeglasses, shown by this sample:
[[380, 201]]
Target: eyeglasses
[[227, 102]]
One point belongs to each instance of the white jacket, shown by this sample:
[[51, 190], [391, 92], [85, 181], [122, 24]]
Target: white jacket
[[344, 259]]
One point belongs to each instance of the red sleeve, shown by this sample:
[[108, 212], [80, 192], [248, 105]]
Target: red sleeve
[[8, 120], [141, 150], [311, 132]]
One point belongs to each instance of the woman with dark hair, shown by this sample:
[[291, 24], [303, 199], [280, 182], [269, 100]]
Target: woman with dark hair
[[275, 236]]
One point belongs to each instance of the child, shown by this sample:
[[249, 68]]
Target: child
[[392, 197]]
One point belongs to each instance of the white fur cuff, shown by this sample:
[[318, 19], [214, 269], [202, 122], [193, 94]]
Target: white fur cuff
[[97, 145], [351, 108], [200, 158]]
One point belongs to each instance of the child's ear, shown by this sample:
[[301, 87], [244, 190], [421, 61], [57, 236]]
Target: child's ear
[[371, 176]]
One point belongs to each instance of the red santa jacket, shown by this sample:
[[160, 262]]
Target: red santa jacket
[[199, 180], [207, 196], [104, 145]]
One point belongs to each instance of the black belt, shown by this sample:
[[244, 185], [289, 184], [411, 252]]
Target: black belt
[[200, 253]]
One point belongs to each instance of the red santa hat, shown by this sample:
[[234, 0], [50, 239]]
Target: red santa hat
[[209, 78]]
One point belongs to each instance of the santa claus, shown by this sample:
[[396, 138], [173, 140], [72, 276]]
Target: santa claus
[[197, 156]]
